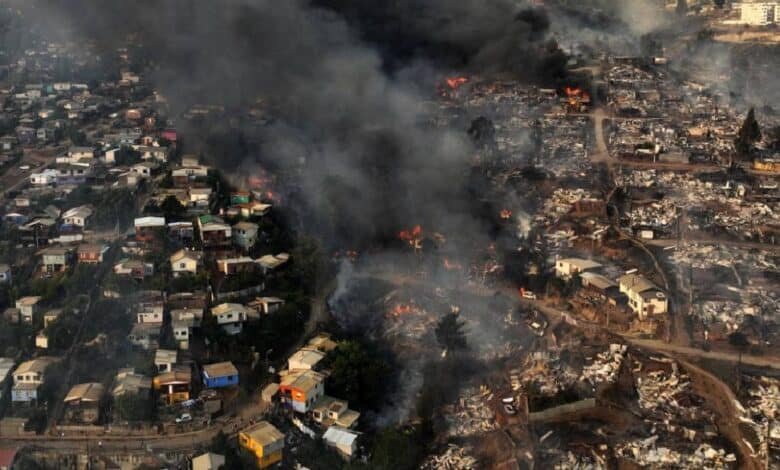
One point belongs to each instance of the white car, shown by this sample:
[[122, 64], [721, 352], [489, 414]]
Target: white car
[[184, 418]]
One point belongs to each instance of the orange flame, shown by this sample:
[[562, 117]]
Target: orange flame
[[411, 235], [576, 96], [402, 309], [258, 181], [505, 214], [451, 266], [455, 82]]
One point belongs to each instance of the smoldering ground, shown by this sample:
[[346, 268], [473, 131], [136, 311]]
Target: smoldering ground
[[398, 302]]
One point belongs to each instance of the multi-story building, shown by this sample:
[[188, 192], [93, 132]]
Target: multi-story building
[[264, 441], [759, 13], [301, 389], [28, 377], [644, 297]]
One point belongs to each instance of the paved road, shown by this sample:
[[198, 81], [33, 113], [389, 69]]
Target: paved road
[[770, 362], [157, 442], [714, 241], [14, 178]]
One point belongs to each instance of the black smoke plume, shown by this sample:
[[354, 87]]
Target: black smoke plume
[[370, 167]]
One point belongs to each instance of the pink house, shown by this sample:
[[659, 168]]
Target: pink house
[[170, 134]]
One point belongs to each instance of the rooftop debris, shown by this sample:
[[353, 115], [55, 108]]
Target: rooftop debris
[[471, 415], [645, 453], [454, 458], [605, 366]]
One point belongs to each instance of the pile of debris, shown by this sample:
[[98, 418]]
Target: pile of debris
[[661, 214], [763, 413], [605, 366], [661, 391], [571, 461], [561, 203], [732, 314], [707, 256], [454, 458], [545, 374], [407, 318], [743, 218], [645, 453], [472, 413], [565, 150], [765, 397]]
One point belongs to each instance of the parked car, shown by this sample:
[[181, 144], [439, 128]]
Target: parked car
[[184, 418]]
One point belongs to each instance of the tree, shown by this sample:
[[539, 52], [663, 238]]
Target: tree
[[172, 209], [62, 331], [127, 156], [650, 45], [397, 449], [27, 462], [482, 132], [739, 341], [450, 334], [358, 374], [133, 407], [748, 134]]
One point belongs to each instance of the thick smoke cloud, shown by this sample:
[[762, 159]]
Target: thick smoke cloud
[[484, 36], [368, 164], [371, 167]]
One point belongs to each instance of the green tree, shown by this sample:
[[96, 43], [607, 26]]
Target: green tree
[[450, 334], [172, 209], [397, 449], [307, 263], [62, 331], [133, 408], [358, 374], [27, 462], [127, 156]]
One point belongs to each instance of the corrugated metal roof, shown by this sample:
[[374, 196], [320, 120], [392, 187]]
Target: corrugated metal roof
[[88, 392], [340, 437]]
